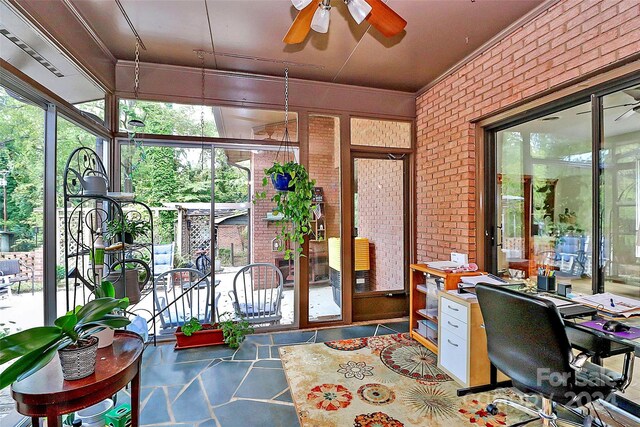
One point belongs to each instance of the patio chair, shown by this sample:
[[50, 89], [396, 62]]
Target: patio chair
[[181, 294], [162, 258], [15, 271], [257, 293]]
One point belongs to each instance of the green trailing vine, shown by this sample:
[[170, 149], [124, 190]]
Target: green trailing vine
[[294, 205]]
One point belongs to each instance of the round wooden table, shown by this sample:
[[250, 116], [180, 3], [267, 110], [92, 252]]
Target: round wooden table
[[47, 394]]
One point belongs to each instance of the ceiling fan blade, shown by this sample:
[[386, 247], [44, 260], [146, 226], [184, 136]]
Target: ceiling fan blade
[[626, 114], [606, 108], [384, 19], [301, 25]]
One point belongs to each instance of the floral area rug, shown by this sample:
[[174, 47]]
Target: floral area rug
[[383, 381]]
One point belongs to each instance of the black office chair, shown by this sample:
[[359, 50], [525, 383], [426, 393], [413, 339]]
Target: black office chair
[[526, 340]]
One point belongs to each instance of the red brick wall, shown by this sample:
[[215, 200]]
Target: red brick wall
[[231, 235], [571, 38], [262, 232], [380, 133], [380, 219], [324, 167]]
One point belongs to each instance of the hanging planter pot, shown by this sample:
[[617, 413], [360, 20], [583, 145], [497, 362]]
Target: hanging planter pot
[[79, 360], [281, 181]]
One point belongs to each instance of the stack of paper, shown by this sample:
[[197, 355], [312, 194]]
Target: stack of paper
[[474, 280], [611, 303], [443, 265]]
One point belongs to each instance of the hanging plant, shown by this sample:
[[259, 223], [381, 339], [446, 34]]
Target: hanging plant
[[294, 190], [293, 205]]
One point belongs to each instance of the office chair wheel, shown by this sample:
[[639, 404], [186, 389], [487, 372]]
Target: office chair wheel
[[492, 409]]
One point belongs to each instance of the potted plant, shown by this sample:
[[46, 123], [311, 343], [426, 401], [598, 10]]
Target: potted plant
[[234, 331], [70, 336], [294, 205], [105, 290], [195, 334], [131, 228]]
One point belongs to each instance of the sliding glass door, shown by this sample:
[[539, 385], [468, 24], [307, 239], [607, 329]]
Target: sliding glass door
[[546, 214], [620, 192], [543, 197]]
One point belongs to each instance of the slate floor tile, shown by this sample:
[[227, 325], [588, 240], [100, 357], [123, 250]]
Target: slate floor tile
[[264, 352], [285, 397], [191, 405], [292, 337], [155, 411], [220, 381], [261, 414], [262, 383], [203, 353], [399, 327], [264, 339], [325, 335], [268, 364], [247, 351], [173, 374]]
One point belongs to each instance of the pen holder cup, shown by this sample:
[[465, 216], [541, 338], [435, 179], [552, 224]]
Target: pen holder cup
[[547, 283]]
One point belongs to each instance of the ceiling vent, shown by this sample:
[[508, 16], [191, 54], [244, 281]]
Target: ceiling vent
[[30, 51]]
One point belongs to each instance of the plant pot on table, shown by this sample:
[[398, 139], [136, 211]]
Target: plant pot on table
[[79, 361]]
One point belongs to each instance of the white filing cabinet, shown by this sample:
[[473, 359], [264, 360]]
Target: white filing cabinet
[[462, 340]]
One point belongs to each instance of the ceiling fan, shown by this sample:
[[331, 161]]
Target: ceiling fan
[[314, 15], [635, 94], [635, 106]]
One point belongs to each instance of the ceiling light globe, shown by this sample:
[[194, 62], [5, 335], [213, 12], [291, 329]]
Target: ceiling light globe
[[320, 21], [300, 4], [359, 9]]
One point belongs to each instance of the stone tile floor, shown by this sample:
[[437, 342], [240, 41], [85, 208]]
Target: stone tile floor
[[221, 387]]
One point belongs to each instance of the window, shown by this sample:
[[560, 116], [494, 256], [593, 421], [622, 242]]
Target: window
[[69, 137], [165, 118], [380, 133], [22, 197], [543, 204], [620, 192], [543, 213]]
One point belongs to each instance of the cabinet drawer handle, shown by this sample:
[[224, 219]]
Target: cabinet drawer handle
[[452, 308], [449, 341], [451, 324]]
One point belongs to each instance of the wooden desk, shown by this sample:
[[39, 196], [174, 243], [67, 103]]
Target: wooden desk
[[47, 394]]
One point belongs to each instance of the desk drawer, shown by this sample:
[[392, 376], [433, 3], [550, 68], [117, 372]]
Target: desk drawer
[[453, 355], [453, 325], [454, 309]]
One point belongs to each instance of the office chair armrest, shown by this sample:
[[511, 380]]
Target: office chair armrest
[[577, 362]]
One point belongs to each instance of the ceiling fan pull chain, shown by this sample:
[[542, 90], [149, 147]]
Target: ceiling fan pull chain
[[136, 81], [201, 56]]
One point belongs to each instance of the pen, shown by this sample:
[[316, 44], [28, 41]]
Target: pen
[[612, 303]]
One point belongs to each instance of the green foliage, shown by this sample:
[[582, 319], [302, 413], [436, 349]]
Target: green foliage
[[105, 290], [135, 227], [35, 347], [234, 331], [192, 325], [294, 205]]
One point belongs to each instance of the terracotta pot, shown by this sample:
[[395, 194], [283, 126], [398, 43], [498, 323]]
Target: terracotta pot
[[79, 361], [201, 338]]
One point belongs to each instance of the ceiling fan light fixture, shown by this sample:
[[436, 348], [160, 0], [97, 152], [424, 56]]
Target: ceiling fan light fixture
[[300, 4], [359, 9], [320, 21]]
